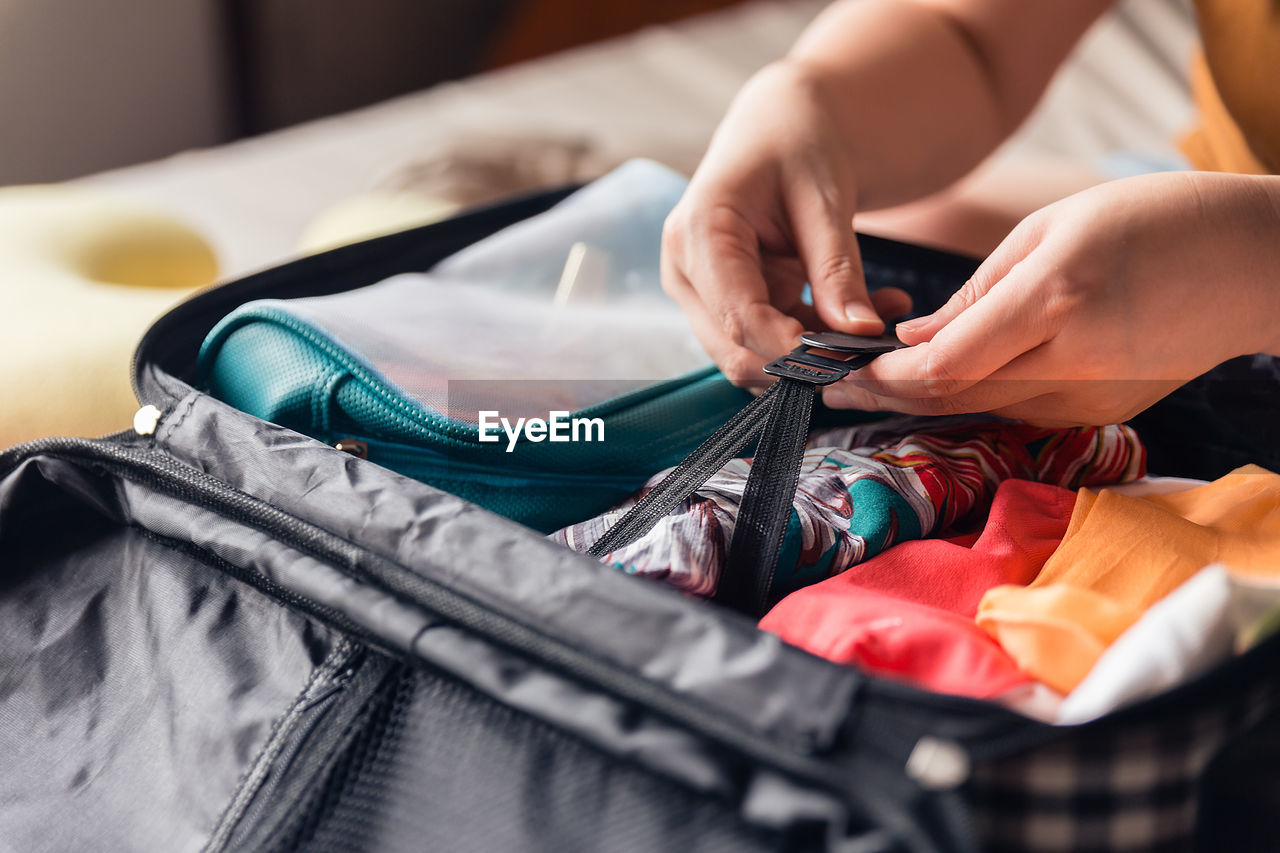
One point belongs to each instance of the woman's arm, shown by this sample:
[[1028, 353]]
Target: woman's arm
[[922, 90], [880, 102]]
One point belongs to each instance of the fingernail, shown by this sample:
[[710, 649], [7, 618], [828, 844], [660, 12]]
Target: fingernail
[[858, 312], [910, 325]]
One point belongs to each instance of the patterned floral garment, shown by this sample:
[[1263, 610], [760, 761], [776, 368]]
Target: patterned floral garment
[[864, 488]]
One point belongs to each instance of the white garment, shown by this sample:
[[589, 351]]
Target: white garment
[[1187, 632], [1033, 699]]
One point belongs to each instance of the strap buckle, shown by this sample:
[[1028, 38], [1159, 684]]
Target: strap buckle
[[807, 364]]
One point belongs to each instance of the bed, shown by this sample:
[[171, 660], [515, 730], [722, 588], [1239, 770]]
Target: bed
[[657, 93]]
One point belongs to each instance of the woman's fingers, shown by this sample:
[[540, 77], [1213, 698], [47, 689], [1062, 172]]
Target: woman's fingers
[[821, 225], [1045, 386], [1027, 382], [741, 365], [1011, 251], [994, 331], [990, 395], [724, 267]]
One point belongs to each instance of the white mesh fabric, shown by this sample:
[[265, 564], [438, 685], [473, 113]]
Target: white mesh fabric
[[571, 295], [421, 333]]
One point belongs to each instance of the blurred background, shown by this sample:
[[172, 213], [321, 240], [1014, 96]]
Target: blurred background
[[86, 86], [461, 102], [182, 143]]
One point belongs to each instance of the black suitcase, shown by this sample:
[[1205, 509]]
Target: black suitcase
[[219, 634]]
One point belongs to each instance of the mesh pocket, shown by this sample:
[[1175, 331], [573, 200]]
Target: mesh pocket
[[437, 766]]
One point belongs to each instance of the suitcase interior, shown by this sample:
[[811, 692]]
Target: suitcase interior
[[225, 635]]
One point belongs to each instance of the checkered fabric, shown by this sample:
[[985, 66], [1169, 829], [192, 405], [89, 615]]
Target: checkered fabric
[[1116, 786]]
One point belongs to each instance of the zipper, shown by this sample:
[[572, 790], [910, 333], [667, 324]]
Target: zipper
[[422, 463], [321, 691], [311, 763]]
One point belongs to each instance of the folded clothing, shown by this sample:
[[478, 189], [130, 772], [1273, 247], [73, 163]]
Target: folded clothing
[[1122, 554], [865, 488], [892, 637], [1196, 626], [1025, 525], [907, 613]]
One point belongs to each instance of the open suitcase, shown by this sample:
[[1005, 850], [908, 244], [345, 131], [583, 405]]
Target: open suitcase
[[219, 634]]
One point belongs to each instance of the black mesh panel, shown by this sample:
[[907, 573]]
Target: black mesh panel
[[439, 767]]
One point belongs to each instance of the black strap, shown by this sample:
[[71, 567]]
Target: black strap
[[710, 456], [780, 416], [766, 502]]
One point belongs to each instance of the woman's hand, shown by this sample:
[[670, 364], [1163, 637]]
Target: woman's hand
[[1096, 306], [880, 103], [770, 208]]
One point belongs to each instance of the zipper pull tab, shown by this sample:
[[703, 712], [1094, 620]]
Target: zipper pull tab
[[354, 446], [146, 419]]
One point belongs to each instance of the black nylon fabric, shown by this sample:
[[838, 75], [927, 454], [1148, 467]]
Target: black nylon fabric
[[751, 676], [743, 794], [136, 685], [870, 741]]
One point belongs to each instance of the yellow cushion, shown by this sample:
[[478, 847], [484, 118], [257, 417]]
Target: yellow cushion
[[82, 276]]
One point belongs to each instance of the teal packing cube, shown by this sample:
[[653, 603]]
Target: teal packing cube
[[539, 373]]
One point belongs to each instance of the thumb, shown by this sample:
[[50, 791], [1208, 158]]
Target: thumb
[[828, 248], [1011, 250]]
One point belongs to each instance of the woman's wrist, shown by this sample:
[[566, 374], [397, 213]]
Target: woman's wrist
[[1260, 261], [1227, 238]]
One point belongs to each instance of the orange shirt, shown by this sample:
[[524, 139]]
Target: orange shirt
[[1122, 554], [1236, 85]]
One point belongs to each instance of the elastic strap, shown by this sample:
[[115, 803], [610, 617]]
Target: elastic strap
[[710, 456], [765, 511], [780, 416]]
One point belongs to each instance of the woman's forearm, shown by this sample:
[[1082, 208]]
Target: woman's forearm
[[1268, 267], [923, 90]]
